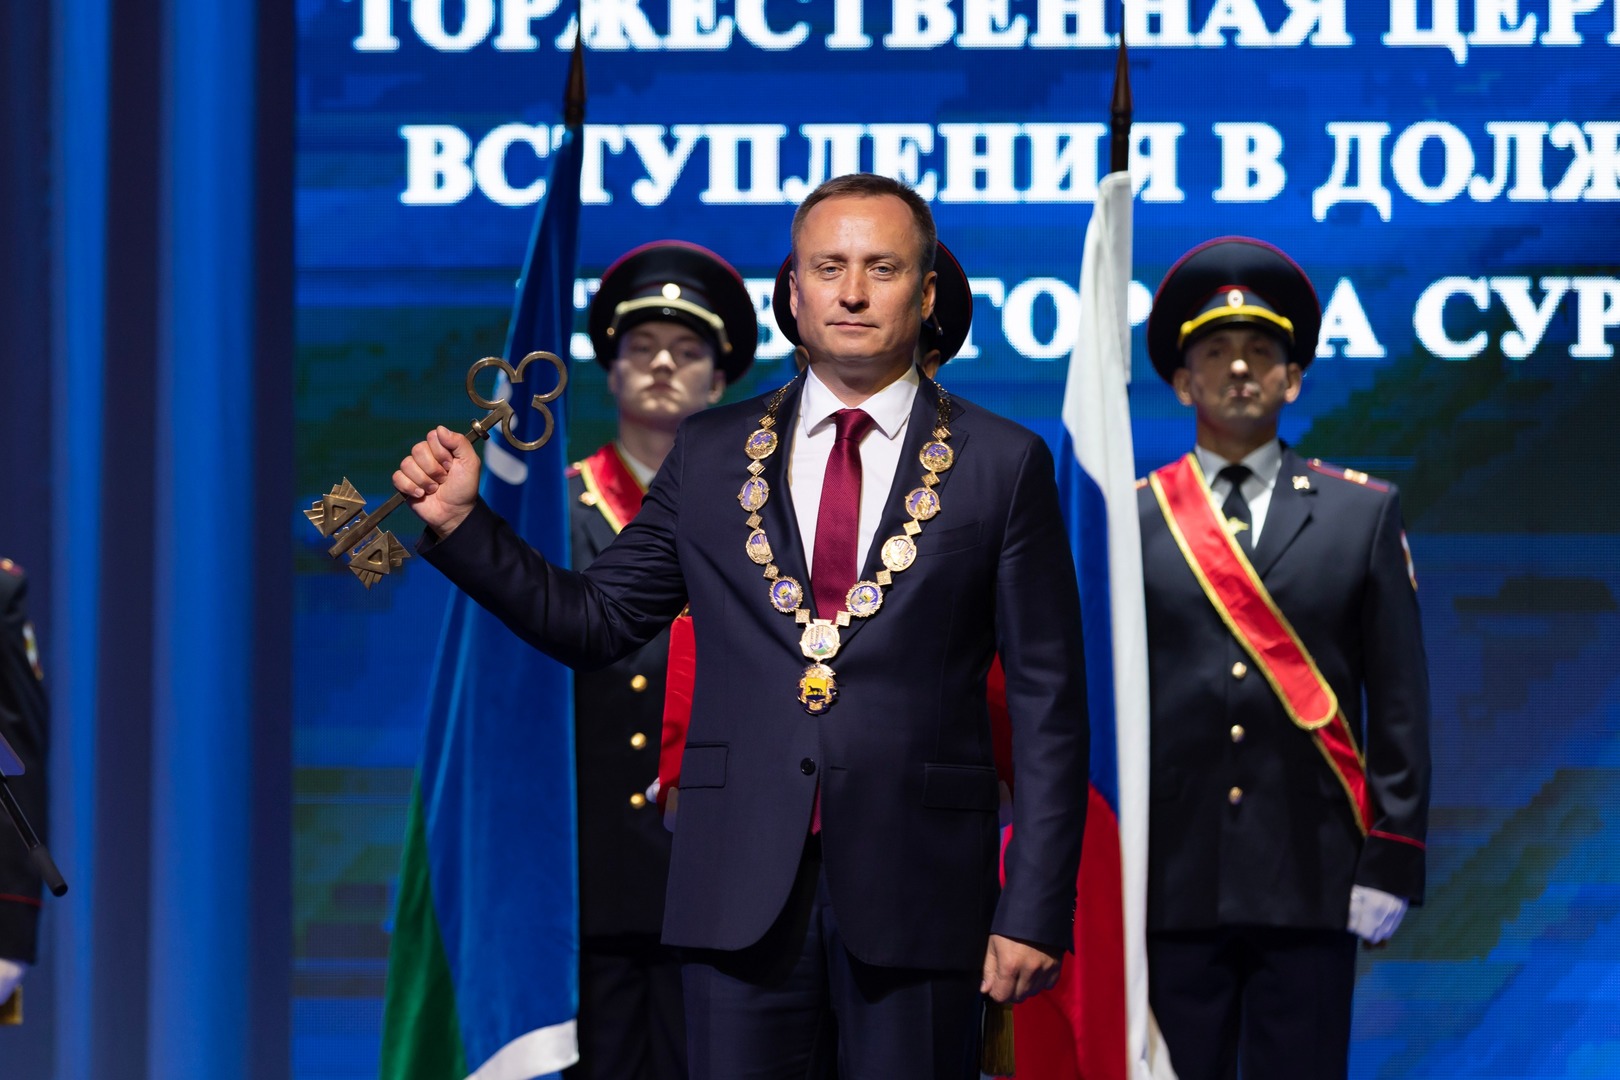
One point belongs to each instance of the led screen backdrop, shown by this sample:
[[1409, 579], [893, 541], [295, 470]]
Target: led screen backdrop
[[1448, 171]]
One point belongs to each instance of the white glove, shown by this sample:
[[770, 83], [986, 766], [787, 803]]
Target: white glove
[[11, 974], [1374, 914]]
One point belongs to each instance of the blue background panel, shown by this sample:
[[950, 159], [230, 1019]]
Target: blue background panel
[[1506, 464]]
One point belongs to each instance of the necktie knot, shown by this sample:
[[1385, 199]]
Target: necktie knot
[[852, 424], [1235, 474]]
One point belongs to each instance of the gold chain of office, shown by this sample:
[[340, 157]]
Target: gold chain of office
[[818, 686]]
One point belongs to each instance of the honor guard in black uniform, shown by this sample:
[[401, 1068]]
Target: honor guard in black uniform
[[1290, 697], [672, 325], [24, 722]]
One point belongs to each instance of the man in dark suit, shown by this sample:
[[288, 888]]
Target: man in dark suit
[[837, 844], [1290, 699], [942, 336], [24, 722], [683, 328]]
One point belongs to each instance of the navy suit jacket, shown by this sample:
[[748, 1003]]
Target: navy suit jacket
[[904, 758], [1288, 850]]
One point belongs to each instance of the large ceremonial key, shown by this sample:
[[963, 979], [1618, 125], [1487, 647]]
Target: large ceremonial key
[[372, 552]]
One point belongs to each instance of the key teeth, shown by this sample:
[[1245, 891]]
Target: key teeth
[[337, 509], [382, 554]]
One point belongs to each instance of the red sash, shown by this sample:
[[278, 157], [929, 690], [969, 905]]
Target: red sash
[[610, 486], [680, 677], [1248, 610]]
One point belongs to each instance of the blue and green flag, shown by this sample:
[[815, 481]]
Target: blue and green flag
[[483, 963]]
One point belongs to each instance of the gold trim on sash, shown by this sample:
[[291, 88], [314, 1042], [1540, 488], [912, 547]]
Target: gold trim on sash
[[606, 497]]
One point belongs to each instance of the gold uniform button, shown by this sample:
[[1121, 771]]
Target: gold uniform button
[[638, 683], [1239, 670], [1238, 733], [1235, 796], [637, 741], [638, 800]]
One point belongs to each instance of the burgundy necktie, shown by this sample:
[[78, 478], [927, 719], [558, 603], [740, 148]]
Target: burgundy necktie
[[833, 568]]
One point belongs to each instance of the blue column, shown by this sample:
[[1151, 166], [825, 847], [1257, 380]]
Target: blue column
[[79, 99], [211, 978], [171, 451]]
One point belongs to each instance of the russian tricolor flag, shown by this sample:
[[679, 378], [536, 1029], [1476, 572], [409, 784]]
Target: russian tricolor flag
[[1096, 1024]]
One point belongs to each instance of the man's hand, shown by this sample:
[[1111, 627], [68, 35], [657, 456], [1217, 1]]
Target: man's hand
[[1374, 914], [1014, 971], [440, 480]]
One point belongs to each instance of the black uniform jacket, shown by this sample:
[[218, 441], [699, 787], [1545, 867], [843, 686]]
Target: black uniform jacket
[[904, 757], [1248, 824], [24, 722], [623, 845]]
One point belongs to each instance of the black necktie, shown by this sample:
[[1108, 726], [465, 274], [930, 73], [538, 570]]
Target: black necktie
[[1236, 508]]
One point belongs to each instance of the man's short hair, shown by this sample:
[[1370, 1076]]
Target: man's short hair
[[870, 186]]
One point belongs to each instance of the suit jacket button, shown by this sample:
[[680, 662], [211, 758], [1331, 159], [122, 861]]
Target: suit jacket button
[[807, 766], [1239, 670], [637, 801], [638, 683], [637, 741], [1235, 796], [1238, 733]]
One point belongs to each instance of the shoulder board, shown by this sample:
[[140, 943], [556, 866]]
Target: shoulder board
[[1355, 476], [1141, 482], [11, 568]]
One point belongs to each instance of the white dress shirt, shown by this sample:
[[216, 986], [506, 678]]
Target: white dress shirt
[[1264, 464], [813, 438]]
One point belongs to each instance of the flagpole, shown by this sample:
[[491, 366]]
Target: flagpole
[[1148, 1058], [1108, 1031], [483, 955]]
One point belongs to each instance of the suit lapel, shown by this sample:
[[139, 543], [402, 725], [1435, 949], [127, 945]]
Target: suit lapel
[[781, 519], [1290, 509]]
